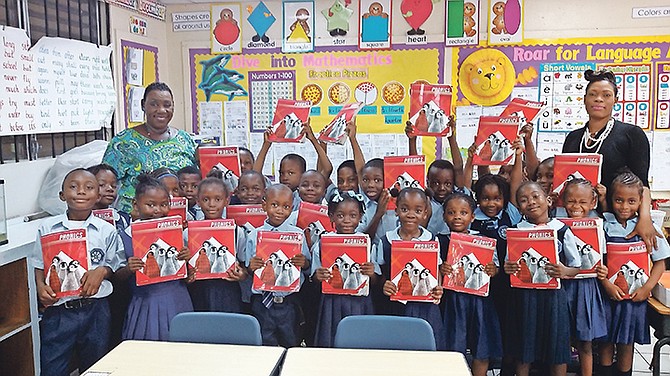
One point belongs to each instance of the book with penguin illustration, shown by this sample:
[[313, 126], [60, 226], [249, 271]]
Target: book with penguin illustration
[[158, 242], [178, 206], [212, 246], [334, 132], [575, 166], [276, 249], [225, 159], [533, 249], [414, 266], [404, 172], [495, 135], [628, 266], [468, 256], [66, 259], [288, 120], [247, 216], [430, 107], [314, 220], [590, 239], [343, 255]]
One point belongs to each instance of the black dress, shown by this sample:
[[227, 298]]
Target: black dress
[[626, 146]]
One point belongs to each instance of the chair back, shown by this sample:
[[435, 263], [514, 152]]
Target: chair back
[[215, 327], [385, 333]]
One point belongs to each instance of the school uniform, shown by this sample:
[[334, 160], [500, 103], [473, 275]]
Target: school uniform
[[388, 222], [152, 307], [194, 212], [220, 295], [500, 290], [423, 310], [627, 320], [278, 313], [330, 191], [296, 199], [120, 297], [436, 223], [333, 308], [539, 332], [75, 323], [470, 321]]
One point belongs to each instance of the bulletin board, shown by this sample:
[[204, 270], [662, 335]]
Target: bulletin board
[[552, 71], [140, 68]]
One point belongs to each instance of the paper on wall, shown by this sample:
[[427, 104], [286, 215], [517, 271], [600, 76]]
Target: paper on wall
[[530, 93], [134, 66], [255, 144], [236, 122], [211, 119], [136, 114], [549, 144]]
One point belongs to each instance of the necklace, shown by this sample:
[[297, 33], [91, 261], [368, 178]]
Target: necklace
[[596, 142], [146, 128]]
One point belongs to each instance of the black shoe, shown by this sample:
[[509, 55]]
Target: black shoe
[[333, 33], [265, 38], [255, 38], [341, 32], [411, 32], [420, 31]]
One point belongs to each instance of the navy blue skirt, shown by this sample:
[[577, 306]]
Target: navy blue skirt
[[216, 295], [431, 313], [587, 309], [471, 322], [333, 309], [540, 328], [627, 322]]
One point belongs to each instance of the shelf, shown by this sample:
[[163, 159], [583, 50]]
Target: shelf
[[12, 328], [15, 307], [16, 354]]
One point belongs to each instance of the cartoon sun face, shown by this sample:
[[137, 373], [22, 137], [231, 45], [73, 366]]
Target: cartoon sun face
[[486, 77]]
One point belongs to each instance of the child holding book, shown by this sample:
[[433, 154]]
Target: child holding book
[[345, 211], [221, 294], [250, 188], [79, 323], [585, 302], [627, 318], [278, 313], [541, 317], [470, 321], [153, 306], [412, 211], [189, 177]]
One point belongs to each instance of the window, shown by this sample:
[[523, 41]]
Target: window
[[86, 20]]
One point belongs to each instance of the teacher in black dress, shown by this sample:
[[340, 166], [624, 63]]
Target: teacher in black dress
[[622, 145]]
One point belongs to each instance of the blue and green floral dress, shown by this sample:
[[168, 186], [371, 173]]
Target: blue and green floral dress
[[131, 153]]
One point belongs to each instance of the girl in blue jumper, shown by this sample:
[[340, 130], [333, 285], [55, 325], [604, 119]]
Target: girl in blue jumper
[[470, 321], [412, 210], [151, 307], [541, 316], [220, 295], [345, 211], [627, 318]]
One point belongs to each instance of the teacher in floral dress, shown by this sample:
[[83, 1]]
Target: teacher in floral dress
[[149, 146]]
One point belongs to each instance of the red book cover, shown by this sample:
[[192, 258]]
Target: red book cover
[[576, 166], [522, 108], [494, 140], [212, 246], [628, 266], [106, 215], [468, 256], [590, 238], [66, 259], [276, 249], [414, 269], [224, 158], [533, 249], [404, 172], [429, 109], [158, 242], [343, 255], [288, 120], [247, 216], [334, 132], [178, 207], [314, 220]]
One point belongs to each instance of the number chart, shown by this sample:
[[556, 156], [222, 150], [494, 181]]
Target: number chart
[[266, 87]]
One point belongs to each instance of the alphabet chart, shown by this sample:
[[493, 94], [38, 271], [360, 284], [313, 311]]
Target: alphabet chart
[[634, 97], [265, 88], [562, 88]]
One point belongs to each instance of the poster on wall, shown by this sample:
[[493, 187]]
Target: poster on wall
[[662, 81], [261, 19], [634, 92], [374, 24], [226, 36], [462, 23], [416, 14], [505, 21], [562, 87], [338, 16], [298, 26]]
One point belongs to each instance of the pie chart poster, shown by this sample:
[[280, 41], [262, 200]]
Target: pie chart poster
[[380, 79]]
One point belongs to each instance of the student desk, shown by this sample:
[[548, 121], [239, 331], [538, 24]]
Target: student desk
[[148, 358], [659, 319], [319, 361]]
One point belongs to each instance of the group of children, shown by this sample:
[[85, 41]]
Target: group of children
[[521, 326]]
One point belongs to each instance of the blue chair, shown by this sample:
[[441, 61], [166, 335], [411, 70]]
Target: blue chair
[[384, 333], [215, 327]]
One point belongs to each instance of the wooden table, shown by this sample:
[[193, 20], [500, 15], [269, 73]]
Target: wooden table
[[319, 361], [659, 319], [171, 358]]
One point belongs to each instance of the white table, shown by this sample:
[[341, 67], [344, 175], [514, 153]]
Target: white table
[[320, 361], [149, 358]]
